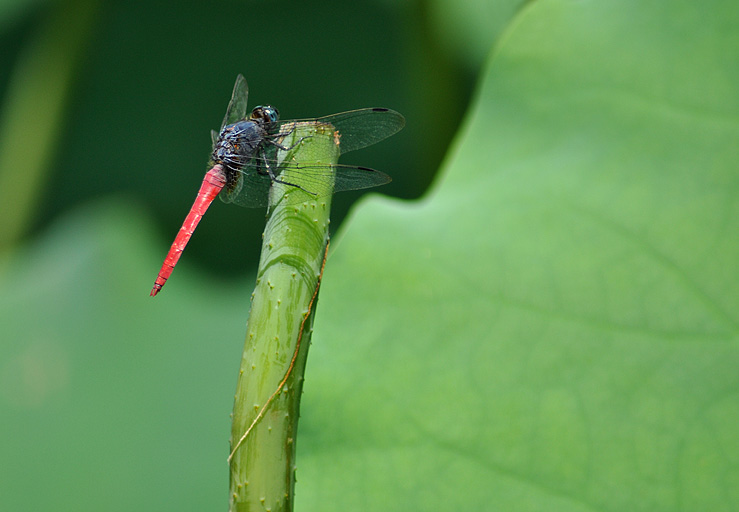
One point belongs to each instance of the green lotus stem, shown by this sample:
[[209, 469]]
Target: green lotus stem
[[266, 405]]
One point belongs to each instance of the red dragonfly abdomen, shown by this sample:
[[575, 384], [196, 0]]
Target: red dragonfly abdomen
[[214, 181]]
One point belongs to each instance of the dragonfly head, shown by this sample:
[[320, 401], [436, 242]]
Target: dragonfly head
[[266, 114]]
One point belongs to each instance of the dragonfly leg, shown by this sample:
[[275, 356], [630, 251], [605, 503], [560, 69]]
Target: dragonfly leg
[[282, 135], [286, 148], [273, 176]]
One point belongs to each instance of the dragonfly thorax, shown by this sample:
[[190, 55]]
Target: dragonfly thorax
[[238, 142]]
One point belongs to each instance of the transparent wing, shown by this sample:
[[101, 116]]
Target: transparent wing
[[236, 110], [361, 128], [251, 189]]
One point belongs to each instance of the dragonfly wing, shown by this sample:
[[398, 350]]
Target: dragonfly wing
[[250, 188], [236, 110], [364, 127], [322, 179], [357, 178]]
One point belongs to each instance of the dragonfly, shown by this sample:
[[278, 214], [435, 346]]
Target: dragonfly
[[244, 162]]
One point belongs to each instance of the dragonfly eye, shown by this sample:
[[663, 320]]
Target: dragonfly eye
[[272, 113], [269, 114]]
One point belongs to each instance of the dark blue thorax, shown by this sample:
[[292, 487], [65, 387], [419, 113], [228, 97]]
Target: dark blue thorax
[[238, 144]]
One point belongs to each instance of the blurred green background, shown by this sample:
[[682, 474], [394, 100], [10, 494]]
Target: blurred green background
[[552, 327]]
